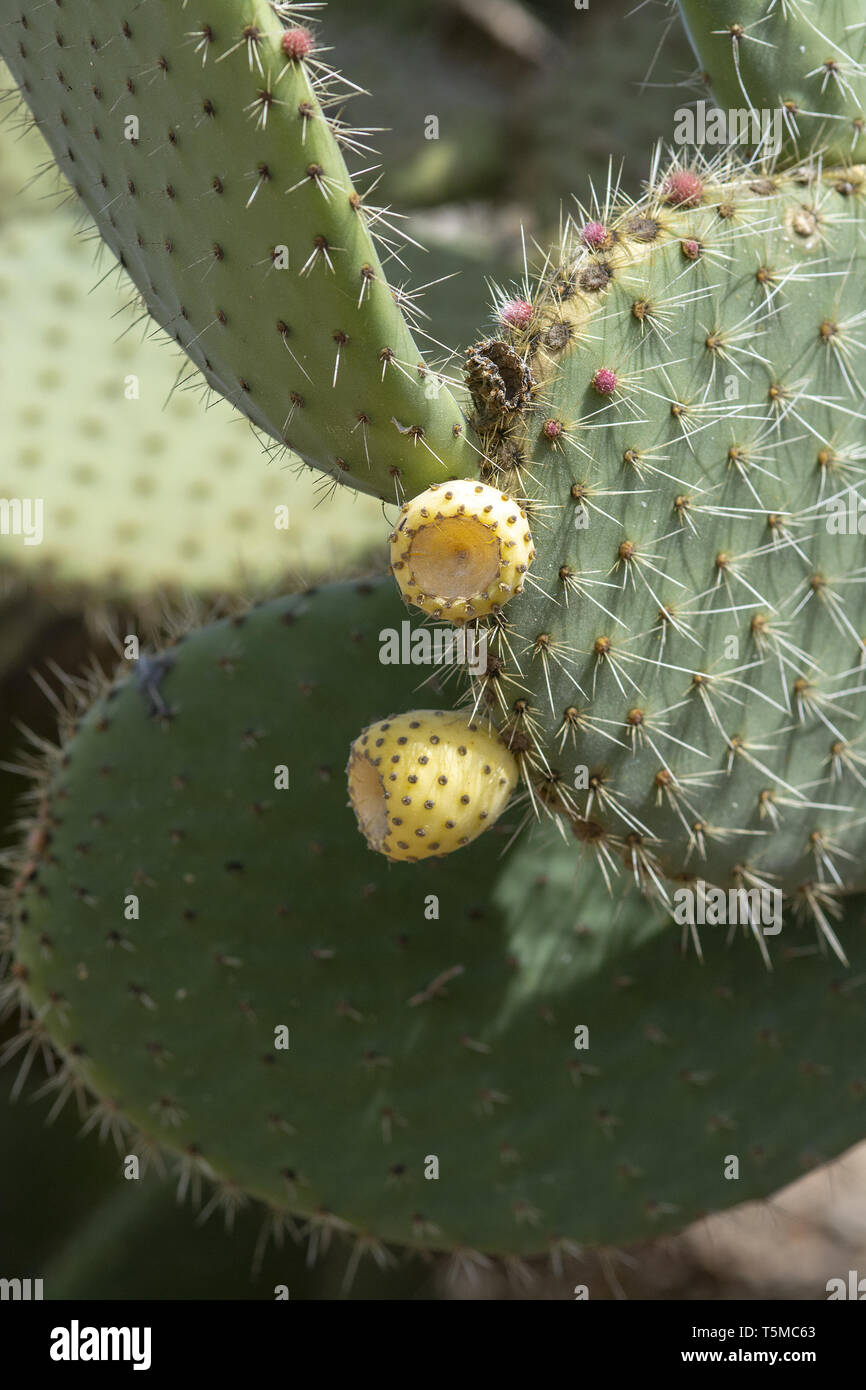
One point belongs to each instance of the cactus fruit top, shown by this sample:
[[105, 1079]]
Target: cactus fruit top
[[419, 783], [461, 550], [799, 62], [207, 154]]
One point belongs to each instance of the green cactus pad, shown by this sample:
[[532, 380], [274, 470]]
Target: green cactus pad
[[433, 1012], [209, 156], [806, 61], [683, 679], [30, 184], [140, 485]]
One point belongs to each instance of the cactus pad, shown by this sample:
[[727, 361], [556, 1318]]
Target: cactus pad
[[227, 969], [210, 158], [140, 485], [682, 681], [804, 61]]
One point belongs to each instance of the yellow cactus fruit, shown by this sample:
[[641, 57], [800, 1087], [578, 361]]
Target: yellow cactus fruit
[[461, 550], [428, 782]]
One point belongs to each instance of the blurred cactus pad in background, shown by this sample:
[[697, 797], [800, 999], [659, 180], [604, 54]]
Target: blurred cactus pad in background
[[372, 941]]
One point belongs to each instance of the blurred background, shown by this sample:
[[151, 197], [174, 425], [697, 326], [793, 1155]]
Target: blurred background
[[535, 101]]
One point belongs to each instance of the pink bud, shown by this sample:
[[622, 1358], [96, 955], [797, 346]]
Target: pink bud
[[552, 429], [297, 44], [594, 235], [604, 381], [517, 313], [682, 188]]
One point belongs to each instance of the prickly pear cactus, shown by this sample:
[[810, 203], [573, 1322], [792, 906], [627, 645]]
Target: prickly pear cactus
[[669, 419], [681, 680], [210, 155], [235, 980]]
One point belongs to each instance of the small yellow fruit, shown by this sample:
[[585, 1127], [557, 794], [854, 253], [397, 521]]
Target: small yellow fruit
[[426, 783], [461, 550]]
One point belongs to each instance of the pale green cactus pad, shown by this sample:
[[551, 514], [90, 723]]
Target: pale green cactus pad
[[141, 485]]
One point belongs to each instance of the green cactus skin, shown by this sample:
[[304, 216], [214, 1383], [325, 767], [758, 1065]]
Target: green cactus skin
[[806, 60], [410, 1036], [142, 488], [236, 155], [73, 1218], [24, 159], [720, 738]]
